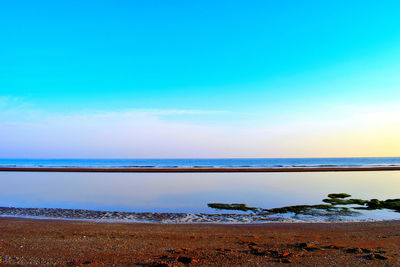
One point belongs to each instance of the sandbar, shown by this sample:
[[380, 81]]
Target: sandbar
[[207, 169]]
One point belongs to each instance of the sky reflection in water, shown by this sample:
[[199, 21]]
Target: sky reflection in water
[[187, 192]]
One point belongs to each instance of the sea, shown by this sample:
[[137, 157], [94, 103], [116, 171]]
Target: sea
[[202, 163], [190, 193]]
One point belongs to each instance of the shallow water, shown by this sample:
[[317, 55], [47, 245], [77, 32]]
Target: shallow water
[[190, 192]]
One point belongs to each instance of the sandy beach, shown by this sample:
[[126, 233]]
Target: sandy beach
[[76, 243]]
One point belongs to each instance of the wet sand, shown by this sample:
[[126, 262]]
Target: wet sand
[[75, 243], [200, 169]]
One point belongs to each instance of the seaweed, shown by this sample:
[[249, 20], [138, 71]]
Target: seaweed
[[392, 204], [297, 209], [339, 195], [332, 200], [233, 206], [339, 201]]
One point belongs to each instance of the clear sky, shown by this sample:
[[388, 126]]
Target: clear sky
[[142, 79]]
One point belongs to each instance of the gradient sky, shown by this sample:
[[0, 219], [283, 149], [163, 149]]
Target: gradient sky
[[142, 79]]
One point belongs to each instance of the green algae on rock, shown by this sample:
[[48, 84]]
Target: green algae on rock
[[339, 201], [333, 200], [233, 206], [297, 209], [376, 204], [339, 195]]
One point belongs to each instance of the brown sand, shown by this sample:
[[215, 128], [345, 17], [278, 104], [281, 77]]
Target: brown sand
[[51, 242], [300, 169]]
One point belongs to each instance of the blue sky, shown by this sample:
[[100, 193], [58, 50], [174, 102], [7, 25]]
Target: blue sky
[[247, 78]]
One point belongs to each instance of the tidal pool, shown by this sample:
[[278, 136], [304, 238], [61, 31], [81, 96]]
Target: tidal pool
[[190, 192]]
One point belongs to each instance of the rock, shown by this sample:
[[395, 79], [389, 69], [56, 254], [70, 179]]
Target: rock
[[376, 257], [185, 260], [308, 246], [339, 195], [273, 253], [178, 250], [258, 252], [158, 264], [332, 247], [165, 258], [245, 243], [354, 250]]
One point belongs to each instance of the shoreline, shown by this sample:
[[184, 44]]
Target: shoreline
[[222, 224], [200, 224], [200, 169], [102, 216]]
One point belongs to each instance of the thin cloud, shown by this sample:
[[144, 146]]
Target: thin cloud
[[151, 133]]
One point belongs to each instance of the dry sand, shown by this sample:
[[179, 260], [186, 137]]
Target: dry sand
[[55, 242]]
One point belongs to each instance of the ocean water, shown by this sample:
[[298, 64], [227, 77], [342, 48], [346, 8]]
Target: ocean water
[[190, 192], [198, 163]]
